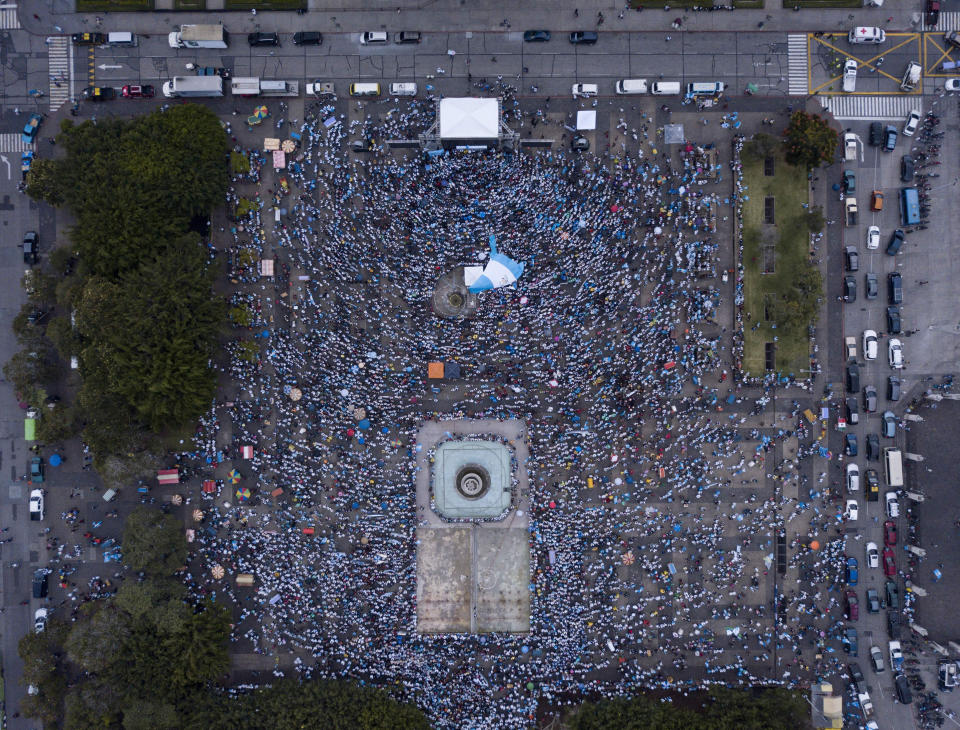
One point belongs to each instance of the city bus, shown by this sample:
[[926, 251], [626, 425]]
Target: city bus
[[893, 467]]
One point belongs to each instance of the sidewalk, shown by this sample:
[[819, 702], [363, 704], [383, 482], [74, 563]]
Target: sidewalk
[[345, 16]]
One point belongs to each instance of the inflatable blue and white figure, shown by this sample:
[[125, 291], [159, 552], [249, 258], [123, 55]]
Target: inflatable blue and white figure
[[500, 271]]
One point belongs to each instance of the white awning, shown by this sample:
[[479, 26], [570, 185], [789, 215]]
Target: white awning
[[586, 120], [468, 118]]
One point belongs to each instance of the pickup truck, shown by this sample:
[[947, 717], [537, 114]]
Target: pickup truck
[[850, 206], [896, 657], [850, 345]]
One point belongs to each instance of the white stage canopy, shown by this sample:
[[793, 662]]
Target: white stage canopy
[[469, 118]]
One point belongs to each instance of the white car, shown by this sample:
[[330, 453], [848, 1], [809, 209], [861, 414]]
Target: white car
[[871, 345], [853, 478], [873, 238], [584, 90], [36, 505], [873, 555], [952, 85], [853, 510], [910, 126], [895, 353], [850, 76], [893, 506], [40, 619], [866, 34]]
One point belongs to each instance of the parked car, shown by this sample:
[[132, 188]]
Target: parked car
[[853, 377], [889, 563], [40, 583], [872, 481], [876, 134], [852, 258], [36, 470], [893, 506], [910, 125], [31, 128], [850, 75], [852, 571], [40, 619], [536, 36], [871, 344], [374, 37], [872, 288], [853, 410], [893, 618], [889, 138], [873, 237], [951, 85], [852, 512], [852, 612], [99, 93], [906, 168], [893, 595], [876, 659], [849, 289], [36, 505], [407, 36], [890, 533], [584, 90], [138, 92], [849, 181], [873, 447], [896, 241], [850, 642], [263, 39], [889, 425], [579, 142], [952, 38], [893, 320], [584, 37], [31, 248], [88, 39], [893, 388], [876, 200], [895, 353], [307, 38], [856, 676], [850, 444], [902, 689], [873, 601], [870, 399], [895, 288], [853, 478], [873, 555]]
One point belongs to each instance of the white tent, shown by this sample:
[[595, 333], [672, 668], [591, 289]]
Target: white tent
[[586, 120], [469, 119]]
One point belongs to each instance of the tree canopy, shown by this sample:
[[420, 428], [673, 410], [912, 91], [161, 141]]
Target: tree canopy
[[810, 140], [153, 542]]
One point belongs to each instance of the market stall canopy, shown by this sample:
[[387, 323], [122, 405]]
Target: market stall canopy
[[266, 267], [168, 476], [246, 452], [469, 118], [586, 120], [435, 371]]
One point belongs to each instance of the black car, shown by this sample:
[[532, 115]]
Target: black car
[[31, 244], [873, 447], [584, 37], [872, 289], [893, 320], [407, 36], [857, 677], [872, 480], [263, 39], [870, 399], [849, 289], [895, 287], [893, 620], [876, 134], [307, 38], [896, 241], [89, 39], [579, 142], [40, 584], [906, 168], [99, 93], [536, 36], [852, 258], [902, 686], [889, 138], [850, 441], [853, 410], [893, 388], [853, 377]]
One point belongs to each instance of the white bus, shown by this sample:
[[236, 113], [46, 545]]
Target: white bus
[[893, 467]]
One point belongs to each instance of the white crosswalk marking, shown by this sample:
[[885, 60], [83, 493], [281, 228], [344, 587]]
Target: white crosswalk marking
[[948, 21], [13, 143], [870, 107], [798, 78], [60, 60], [8, 17]]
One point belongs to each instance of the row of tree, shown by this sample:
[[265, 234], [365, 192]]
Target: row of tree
[[131, 296]]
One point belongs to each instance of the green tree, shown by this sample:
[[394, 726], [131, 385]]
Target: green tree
[[154, 542], [810, 141], [57, 423], [815, 219], [761, 146], [44, 182]]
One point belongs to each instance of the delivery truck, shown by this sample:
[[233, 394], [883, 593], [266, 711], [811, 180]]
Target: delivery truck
[[199, 36], [184, 86]]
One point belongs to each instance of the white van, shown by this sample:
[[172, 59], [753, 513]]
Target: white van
[[665, 88], [705, 88], [585, 90], [864, 34], [121, 39], [631, 86], [403, 89], [364, 89], [374, 36]]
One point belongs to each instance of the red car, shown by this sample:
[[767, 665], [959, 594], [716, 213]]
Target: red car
[[889, 564], [138, 92], [889, 533], [933, 12], [853, 607]]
